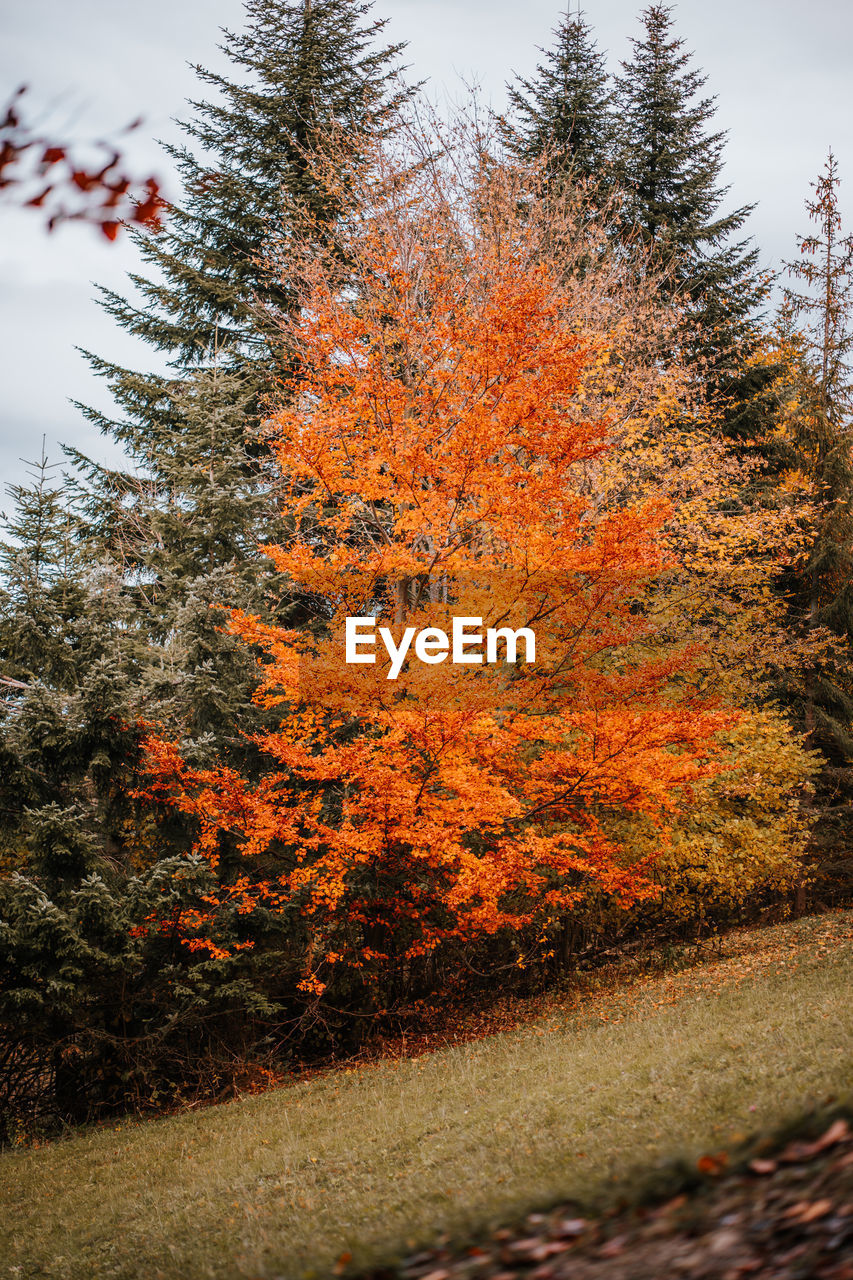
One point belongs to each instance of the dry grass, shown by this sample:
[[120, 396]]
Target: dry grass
[[373, 1161]]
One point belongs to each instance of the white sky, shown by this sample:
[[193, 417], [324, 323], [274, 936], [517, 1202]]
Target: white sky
[[781, 71]]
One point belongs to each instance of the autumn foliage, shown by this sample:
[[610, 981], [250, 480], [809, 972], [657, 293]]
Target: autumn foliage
[[40, 172], [436, 450], [452, 380]]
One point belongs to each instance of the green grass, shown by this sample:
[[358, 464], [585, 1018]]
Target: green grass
[[374, 1161]]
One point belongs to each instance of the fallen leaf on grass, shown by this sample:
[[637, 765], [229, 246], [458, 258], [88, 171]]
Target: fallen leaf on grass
[[527, 1245], [797, 1151], [569, 1228], [671, 1206], [613, 1247], [808, 1211]]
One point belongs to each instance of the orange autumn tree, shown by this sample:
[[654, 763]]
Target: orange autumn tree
[[435, 448]]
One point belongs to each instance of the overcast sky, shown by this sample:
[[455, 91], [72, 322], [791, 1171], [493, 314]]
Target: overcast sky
[[781, 71]]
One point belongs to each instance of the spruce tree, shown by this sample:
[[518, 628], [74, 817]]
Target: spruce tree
[[814, 440], [820, 420], [565, 109], [214, 295], [101, 1006], [113, 601], [669, 161], [187, 520], [69, 658], [197, 554], [172, 542], [308, 66]]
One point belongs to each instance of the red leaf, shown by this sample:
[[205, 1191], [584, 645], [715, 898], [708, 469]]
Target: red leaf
[[8, 153], [53, 154], [110, 229], [148, 211], [85, 181], [38, 201]]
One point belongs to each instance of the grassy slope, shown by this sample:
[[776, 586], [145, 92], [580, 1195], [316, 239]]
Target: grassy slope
[[368, 1162]]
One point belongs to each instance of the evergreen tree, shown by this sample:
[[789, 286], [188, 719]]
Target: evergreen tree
[[69, 656], [669, 161], [565, 109], [104, 1007], [247, 173], [101, 1005], [113, 614], [309, 67], [195, 550], [118, 610], [39, 591], [814, 438], [187, 521], [821, 434]]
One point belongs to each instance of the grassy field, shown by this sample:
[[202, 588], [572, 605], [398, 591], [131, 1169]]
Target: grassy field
[[375, 1161]]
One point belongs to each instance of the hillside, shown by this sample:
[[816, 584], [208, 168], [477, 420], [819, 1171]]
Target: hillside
[[372, 1163], [783, 1214]]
